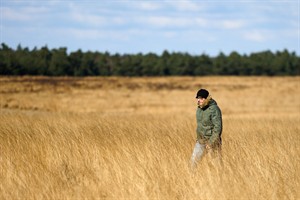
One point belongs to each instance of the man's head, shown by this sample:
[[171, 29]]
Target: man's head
[[201, 96], [202, 93]]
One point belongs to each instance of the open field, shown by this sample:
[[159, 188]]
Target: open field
[[132, 138]]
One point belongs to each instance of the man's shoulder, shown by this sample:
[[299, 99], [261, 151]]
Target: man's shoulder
[[214, 107]]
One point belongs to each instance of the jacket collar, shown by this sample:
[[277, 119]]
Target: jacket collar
[[206, 102]]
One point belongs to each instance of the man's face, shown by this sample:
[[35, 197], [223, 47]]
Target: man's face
[[200, 101]]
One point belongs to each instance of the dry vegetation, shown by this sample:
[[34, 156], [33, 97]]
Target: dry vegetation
[[132, 138]]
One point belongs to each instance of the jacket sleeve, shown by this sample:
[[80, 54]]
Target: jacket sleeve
[[216, 119]]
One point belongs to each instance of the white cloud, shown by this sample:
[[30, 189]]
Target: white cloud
[[201, 21], [96, 20], [179, 5], [170, 34], [151, 6], [92, 34], [163, 21], [34, 10], [11, 14], [232, 24], [136, 32], [88, 19], [82, 33], [93, 16], [26, 13], [185, 5], [174, 22], [256, 36], [192, 22]]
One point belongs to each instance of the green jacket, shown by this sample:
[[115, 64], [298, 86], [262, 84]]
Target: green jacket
[[209, 123]]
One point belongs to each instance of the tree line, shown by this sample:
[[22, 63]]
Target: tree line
[[57, 62]]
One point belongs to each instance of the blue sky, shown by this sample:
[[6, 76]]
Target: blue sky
[[139, 26]]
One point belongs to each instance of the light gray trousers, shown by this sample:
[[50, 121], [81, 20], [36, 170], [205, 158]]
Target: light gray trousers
[[215, 155], [197, 154]]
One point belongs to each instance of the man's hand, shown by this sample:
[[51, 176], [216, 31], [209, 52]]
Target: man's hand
[[207, 146]]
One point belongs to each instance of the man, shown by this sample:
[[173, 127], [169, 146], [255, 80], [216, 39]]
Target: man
[[209, 128]]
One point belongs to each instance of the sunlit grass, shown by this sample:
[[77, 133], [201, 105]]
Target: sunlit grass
[[139, 148]]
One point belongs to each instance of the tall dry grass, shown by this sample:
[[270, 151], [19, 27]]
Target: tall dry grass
[[133, 138]]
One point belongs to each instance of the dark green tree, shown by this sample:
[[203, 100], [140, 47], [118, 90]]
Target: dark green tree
[[59, 63], [204, 65], [75, 60], [88, 67], [102, 64], [41, 61], [148, 62]]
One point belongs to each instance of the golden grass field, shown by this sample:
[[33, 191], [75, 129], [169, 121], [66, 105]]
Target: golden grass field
[[132, 138]]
